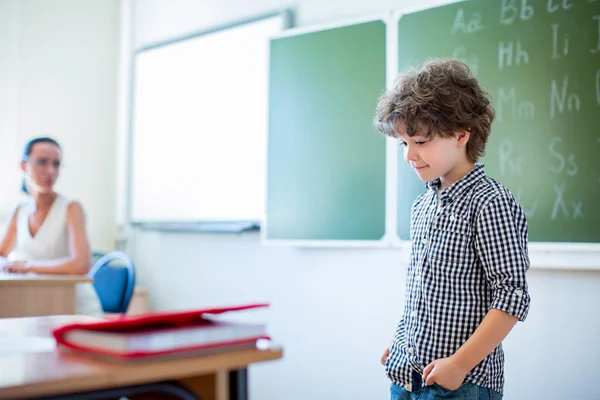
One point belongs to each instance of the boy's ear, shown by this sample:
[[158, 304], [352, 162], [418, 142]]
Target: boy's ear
[[462, 137]]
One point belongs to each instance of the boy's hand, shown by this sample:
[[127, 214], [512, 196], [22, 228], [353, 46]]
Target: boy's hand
[[385, 355], [445, 372]]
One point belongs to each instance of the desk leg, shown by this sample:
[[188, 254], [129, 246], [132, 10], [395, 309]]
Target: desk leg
[[238, 384], [209, 387]]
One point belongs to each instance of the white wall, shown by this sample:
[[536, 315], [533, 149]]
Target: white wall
[[9, 153], [335, 310], [58, 77]]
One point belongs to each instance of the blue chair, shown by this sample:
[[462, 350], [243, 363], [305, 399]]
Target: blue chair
[[114, 279], [96, 255]]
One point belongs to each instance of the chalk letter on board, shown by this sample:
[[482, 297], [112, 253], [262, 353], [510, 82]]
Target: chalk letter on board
[[561, 160], [572, 169], [504, 51], [522, 55], [508, 6], [509, 11], [459, 22], [565, 49], [526, 110], [472, 26], [558, 99], [554, 7], [526, 11], [521, 110], [509, 98], [577, 213], [507, 51], [597, 49], [506, 161], [559, 189]]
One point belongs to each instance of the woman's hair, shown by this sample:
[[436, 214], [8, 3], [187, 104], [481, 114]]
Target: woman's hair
[[29, 148]]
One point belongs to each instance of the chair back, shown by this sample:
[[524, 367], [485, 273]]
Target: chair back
[[114, 279]]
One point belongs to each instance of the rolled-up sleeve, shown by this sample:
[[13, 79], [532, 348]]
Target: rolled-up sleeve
[[501, 243]]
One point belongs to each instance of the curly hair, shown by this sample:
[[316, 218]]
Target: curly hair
[[443, 96]]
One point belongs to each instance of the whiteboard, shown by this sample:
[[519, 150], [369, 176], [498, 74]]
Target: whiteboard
[[199, 126]]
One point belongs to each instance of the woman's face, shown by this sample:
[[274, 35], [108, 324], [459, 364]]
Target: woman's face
[[42, 167]]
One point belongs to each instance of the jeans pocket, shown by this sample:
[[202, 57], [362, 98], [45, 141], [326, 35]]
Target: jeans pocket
[[488, 394], [398, 393], [467, 391]]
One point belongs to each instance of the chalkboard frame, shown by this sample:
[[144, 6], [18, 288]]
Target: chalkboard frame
[[543, 255], [287, 17], [386, 240]]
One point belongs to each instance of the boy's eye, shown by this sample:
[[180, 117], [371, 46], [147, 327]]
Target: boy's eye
[[420, 142], [402, 143]]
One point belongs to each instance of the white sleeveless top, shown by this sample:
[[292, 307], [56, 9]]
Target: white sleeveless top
[[51, 242]]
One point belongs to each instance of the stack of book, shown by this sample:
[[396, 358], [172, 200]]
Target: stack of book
[[161, 335]]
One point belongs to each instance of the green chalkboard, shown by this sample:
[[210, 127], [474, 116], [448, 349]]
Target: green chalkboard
[[326, 162], [540, 61]]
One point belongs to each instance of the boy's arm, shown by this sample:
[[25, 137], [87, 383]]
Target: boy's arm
[[451, 372], [489, 334], [501, 244]]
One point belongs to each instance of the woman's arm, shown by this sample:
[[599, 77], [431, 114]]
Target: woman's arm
[[79, 262], [10, 238]]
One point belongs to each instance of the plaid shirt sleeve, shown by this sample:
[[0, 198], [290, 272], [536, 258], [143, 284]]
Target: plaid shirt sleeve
[[501, 243]]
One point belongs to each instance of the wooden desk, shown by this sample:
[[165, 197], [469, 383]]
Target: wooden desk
[[31, 366], [32, 295]]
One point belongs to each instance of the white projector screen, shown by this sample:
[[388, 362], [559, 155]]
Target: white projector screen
[[199, 127]]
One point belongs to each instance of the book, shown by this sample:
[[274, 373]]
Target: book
[[157, 335]]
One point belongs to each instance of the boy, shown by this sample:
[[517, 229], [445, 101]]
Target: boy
[[466, 286]]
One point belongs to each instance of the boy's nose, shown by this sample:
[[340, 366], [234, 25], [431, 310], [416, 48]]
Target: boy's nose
[[410, 153]]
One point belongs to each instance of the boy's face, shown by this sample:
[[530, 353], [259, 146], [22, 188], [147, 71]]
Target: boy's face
[[434, 156]]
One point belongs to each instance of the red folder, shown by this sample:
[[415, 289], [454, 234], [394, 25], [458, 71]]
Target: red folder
[[195, 326]]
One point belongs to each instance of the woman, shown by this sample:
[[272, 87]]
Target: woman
[[46, 234]]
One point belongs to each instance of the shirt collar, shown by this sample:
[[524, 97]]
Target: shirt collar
[[457, 188]]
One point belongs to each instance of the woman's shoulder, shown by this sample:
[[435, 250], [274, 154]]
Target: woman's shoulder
[[69, 202], [74, 208], [68, 207], [15, 212], [24, 204]]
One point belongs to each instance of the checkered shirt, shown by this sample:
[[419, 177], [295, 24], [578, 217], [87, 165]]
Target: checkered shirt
[[469, 254]]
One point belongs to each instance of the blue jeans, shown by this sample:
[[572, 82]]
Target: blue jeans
[[467, 391]]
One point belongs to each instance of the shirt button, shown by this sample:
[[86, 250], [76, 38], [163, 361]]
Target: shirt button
[[452, 217], [424, 241], [519, 291], [432, 206], [413, 314], [411, 350]]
